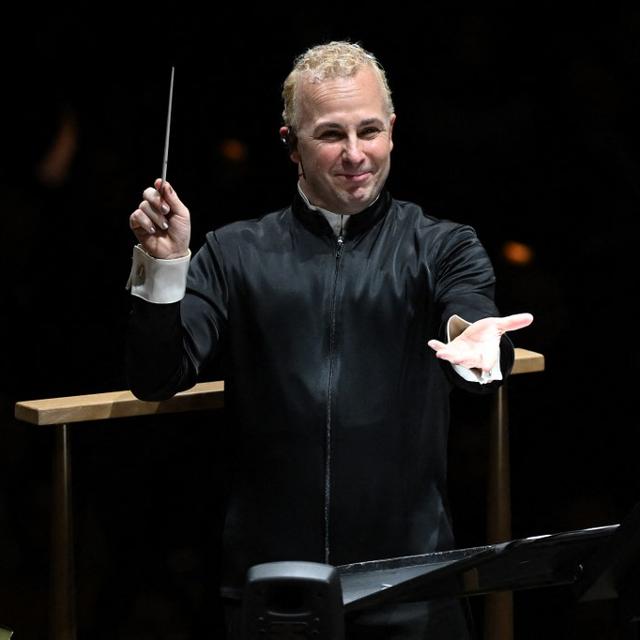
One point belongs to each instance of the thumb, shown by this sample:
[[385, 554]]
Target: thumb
[[170, 196]]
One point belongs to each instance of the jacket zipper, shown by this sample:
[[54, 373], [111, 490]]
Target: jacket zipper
[[327, 466]]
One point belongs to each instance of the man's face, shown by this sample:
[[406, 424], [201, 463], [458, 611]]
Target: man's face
[[344, 141]]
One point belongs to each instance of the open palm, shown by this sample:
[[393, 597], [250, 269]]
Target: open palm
[[477, 346]]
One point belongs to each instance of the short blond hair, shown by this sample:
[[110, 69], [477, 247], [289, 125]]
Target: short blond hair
[[326, 61]]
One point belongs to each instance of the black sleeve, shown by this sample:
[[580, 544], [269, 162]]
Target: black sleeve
[[465, 285], [167, 344]]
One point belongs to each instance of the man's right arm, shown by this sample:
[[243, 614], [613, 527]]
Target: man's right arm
[[169, 334], [155, 363]]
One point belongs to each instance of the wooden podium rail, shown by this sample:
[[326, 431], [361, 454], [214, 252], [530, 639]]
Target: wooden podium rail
[[210, 395]]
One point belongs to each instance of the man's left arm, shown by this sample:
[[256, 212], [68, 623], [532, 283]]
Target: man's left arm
[[473, 336], [476, 352]]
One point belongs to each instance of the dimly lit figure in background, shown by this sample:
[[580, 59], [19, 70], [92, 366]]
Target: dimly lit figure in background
[[323, 311]]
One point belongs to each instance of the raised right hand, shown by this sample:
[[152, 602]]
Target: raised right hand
[[162, 224]]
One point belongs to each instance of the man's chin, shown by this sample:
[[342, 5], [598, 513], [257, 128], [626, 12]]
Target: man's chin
[[349, 201], [359, 200]]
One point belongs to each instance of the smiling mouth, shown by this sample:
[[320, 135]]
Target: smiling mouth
[[355, 177]]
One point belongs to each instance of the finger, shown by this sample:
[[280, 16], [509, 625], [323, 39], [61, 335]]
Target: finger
[[444, 351], [436, 345], [514, 322], [469, 362], [449, 356], [153, 215], [138, 220], [152, 196]]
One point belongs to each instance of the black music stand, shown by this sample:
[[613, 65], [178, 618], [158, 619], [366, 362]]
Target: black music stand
[[520, 564], [599, 562], [614, 572]]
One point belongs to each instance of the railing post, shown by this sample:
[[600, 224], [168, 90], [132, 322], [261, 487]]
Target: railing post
[[499, 606], [62, 580]]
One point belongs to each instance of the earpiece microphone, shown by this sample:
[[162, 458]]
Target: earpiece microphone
[[290, 140]]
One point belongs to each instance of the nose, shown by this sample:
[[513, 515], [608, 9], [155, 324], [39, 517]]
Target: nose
[[352, 152]]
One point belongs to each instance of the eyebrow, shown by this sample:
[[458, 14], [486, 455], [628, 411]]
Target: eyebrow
[[337, 125]]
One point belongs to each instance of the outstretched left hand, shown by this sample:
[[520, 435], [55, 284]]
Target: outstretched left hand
[[477, 347]]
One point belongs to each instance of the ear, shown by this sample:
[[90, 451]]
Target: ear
[[284, 136], [392, 120]]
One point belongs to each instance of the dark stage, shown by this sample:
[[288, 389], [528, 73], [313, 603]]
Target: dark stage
[[522, 124]]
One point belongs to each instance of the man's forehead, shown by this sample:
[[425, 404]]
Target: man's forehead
[[334, 98], [364, 77]]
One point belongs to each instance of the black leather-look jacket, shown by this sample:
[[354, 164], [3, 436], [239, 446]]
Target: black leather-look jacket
[[342, 408]]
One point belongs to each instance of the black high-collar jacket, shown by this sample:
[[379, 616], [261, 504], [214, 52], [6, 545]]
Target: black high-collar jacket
[[342, 408]]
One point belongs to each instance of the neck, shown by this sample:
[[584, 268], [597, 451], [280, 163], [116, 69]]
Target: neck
[[316, 207]]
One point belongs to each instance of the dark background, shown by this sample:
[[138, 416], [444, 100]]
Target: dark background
[[523, 124]]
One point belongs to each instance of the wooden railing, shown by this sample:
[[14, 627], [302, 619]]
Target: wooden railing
[[210, 395]]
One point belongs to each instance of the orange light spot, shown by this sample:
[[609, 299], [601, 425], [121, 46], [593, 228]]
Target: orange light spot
[[517, 253], [233, 150]]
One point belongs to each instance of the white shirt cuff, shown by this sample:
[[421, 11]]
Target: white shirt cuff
[[155, 280], [455, 326]]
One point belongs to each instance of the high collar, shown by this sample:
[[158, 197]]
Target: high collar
[[359, 223], [337, 221]]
